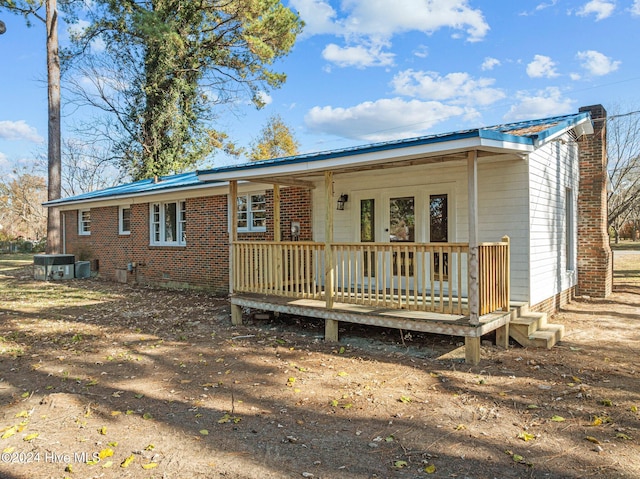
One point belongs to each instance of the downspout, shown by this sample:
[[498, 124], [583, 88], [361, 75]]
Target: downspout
[[64, 234]]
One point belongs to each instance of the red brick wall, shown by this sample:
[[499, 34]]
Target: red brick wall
[[202, 263], [555, 303], [595, 260]]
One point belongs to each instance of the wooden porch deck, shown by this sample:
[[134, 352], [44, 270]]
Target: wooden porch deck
[[410, 320]]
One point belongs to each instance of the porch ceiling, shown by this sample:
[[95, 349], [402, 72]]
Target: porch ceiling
[[307, 178]]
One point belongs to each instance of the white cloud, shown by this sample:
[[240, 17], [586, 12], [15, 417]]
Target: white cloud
[[597, 63], [490, 63], [76, 29], [635, 8], [547, 102], [19, 130], [368, 25], [359, 56], [540, 7], [423, 51], [542, 66], [265, 97], [382, 120], [384, 18], [458, 88], [319, 17], [4, 161], [601, 8]]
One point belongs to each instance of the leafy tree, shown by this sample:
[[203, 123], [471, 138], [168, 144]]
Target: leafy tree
[[623, 151], [33, 9], [159, 66], [276, 140]]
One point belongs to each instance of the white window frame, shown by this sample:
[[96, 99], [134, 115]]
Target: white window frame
[[251, 217], [158, 223], [121, 228], [84, 223]]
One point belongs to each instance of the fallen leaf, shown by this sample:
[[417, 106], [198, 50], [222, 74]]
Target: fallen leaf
[[10, 432], [430, 469], [127, 462], [103, 430], [151, 465], [592, 439], [400, 464], [204, 432], [31, 436], [405, 399], [8, 450], [107, 452], [621, 435], [557, 419], [525, 436], [23, 414], [107, 464], [342, 374]]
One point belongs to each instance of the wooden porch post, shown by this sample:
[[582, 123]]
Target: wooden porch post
[[236, 311], [330, 325], [472, 344], [277, 234], [502, 334]]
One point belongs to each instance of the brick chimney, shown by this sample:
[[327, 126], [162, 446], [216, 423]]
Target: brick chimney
[[595, 259]]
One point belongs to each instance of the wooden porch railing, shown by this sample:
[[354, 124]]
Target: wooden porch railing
[[415, 276]]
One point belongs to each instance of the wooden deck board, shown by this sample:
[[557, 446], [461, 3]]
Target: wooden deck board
[[428, 322]]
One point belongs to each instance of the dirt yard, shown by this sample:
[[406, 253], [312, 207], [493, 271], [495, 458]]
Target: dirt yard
[[106, 380]]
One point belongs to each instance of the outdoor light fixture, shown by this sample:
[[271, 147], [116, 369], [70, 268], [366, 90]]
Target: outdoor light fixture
[[341, 201]]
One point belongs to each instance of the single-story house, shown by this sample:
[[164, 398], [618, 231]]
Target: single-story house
[[463, 233]]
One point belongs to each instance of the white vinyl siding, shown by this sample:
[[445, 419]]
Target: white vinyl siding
[[553, 172], [503, 203]]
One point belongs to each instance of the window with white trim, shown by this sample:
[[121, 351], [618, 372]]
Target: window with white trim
[[252, 212], [168, 223], [124, 220], [84, 222]]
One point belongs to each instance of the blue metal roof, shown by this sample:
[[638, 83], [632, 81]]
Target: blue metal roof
[[170, 182], [531, 132]]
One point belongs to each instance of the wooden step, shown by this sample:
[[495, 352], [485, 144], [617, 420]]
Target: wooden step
[[518, 308], [542, 338], [530, 322]]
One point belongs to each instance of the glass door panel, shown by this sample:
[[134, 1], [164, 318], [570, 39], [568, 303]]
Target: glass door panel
[[439, 232], [402, 229]]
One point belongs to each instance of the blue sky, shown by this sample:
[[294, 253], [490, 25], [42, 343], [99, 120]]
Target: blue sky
[[376, 70]]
